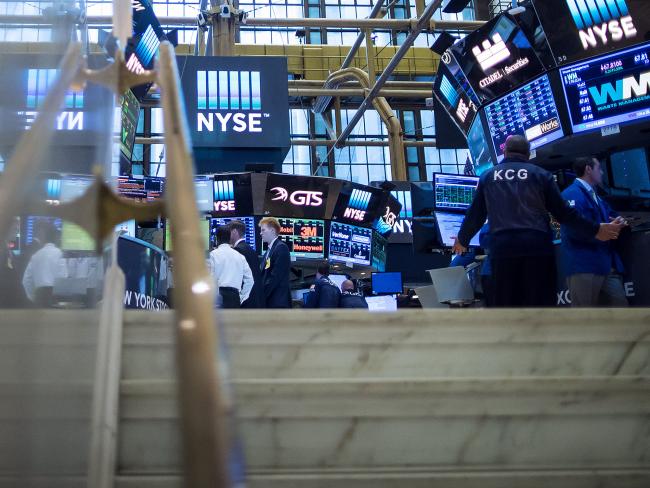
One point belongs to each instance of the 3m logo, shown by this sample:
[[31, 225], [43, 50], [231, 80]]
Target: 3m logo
[[599, 21], [447, 89], [492, 54], [224, 196], [228, 90], [38, 84]]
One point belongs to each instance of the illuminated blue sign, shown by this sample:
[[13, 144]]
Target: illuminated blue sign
[[228, 90]]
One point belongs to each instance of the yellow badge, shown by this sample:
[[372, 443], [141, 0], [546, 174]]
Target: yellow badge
[[267, 265]]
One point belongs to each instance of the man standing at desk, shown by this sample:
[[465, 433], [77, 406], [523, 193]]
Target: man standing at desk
[[275, 266], [593, 268], [517, 197]]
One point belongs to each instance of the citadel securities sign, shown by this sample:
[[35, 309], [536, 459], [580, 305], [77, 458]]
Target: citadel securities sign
[[236, 102], [577, 29]]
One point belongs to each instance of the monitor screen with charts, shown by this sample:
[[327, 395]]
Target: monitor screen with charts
[[449, 225]]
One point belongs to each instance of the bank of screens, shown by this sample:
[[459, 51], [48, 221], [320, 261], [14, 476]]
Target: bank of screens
[[249, 222], [457, 103], [232, 195], [144, 190], [379, 246], [449, 225], [479, 150], [305, 237], [69, 236], [454, 192], [386, 283], [129, 122], [630, 171], [350, 244], [529, 111], [204, 230], [203, 190], [608, 90]]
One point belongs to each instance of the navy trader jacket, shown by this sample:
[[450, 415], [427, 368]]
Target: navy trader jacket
[[324, 295], [516, 197]]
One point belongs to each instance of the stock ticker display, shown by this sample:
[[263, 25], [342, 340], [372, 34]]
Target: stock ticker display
[[530, 111], [454, 192], [144, 190], [350, 244], [305, 237], [608, 90], [455, 100], [217, 222]]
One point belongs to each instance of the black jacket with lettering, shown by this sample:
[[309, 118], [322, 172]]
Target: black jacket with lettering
[[324, 295], [517, 197]]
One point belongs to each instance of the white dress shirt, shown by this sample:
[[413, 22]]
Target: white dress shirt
[[43, 269], [230, 269]]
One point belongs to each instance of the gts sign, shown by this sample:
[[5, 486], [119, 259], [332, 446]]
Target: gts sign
[[228, 122], [623, 89], [299, 198]]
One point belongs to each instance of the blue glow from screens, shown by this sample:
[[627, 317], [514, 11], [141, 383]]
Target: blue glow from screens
[[630, 170], [608, 90], [449, 225], [529, 111], [249, 222], [350, 244], [304, 237], [386, 283], [478, 148], [454, 192]]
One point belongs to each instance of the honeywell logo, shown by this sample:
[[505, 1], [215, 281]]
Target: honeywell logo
[[38, 84], [601, 21], [622, 90], [231, 98], [492, 54], [299, 198]]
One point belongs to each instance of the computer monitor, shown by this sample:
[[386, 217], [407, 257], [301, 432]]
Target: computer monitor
[[31, 224], [383, 303], [449, 225], [338, 279], [387, 283], [454, 192], [75, 238], [203, 193], [350, 244], [127, 227], [249, 222], [630, 171], [204, 230]]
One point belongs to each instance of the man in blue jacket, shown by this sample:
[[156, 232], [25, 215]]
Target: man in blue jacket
[[324, 293], [517, 197], [593, 268]]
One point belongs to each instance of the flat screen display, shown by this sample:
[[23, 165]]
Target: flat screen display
[[73, 187], [387, 283], [74, 238], [130, 112], [204, 230], [454, 99], [350, 244], [402, 228], [449, 225], [612, 89], [31, 224], [358, 204], [479, 150], [379, 247], [304, 237], [232, 195], [249, 222], [630, 170], [578, 29], [145, 189], [529, 111], [454, 192], [497, 58], [296, 196], [203, 192], [127, 227]]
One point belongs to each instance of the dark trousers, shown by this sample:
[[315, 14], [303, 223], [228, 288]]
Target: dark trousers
[[487, 283], [524, 281], [229, 297], [592, 290]]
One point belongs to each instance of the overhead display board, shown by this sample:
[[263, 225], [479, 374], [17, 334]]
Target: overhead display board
[[578, 29], [130, 113], [232, 195], [456, 101], [236, 102], [358, 204], [454, 192], [350, 244], [479, 150], [529, 111], [304, 237], [296, 195], [497, 58], [608, 90], [249, 222]]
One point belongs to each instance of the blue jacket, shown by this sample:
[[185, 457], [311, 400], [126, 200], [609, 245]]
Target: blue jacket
[[587, 255], [324, 295], [351, 299]]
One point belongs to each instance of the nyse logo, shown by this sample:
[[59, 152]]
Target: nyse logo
[[599, 21], [447, 89], [38, 83], [299, 198], [492, 54], [231, 98], [224, 196], [624, 89], [357, 205]]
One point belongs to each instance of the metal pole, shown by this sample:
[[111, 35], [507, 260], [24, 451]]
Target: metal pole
[[410, 39], [357, 43]]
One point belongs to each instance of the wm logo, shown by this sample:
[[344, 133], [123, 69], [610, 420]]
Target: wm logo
[[359, 199], [492, 54], [38, 84], [588, 13], [228, 90]]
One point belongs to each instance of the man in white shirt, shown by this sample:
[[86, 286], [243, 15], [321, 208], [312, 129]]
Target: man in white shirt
[[232, 275], [43, 268]]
